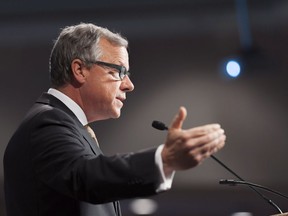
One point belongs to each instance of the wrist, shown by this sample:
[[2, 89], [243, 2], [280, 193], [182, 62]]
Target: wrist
[[168, 170]]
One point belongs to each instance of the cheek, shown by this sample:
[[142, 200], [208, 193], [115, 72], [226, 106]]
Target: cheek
[[109, 94], [103, 93]]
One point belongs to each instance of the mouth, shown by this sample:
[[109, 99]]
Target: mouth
[[121, 99]]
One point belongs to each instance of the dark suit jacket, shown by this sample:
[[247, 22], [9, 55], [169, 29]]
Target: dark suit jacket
[[52, 167]]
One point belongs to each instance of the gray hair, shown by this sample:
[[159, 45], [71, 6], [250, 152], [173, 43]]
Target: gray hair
[[79, 41]]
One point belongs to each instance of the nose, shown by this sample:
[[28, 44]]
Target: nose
[[126, 84]]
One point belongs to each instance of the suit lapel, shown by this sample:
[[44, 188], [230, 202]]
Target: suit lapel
[[55, 102]]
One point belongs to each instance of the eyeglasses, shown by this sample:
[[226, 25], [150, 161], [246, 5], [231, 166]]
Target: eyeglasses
[[121, 69]]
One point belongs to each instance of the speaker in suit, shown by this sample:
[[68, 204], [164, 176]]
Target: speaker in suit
[[52, 166]]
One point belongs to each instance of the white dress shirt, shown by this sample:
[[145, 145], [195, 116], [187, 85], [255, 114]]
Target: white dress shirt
[[165, 182]]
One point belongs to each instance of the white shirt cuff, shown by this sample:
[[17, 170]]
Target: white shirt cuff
[[165, 182]]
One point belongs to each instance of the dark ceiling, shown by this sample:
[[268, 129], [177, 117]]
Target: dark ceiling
[[139, 18]]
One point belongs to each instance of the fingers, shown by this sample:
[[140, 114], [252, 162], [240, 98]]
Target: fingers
[[201, 142], [210, 138], [202, 130], [179, 119], [204, 146]]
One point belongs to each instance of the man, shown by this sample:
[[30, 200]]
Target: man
[[52, 165]]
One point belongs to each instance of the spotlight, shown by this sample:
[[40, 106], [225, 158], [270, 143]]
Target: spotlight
[[143, 206], [233, 68], [242, 214]]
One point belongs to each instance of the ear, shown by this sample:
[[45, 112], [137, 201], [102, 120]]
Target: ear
[[79, 71]]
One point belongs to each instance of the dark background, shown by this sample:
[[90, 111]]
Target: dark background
[[177, 51]]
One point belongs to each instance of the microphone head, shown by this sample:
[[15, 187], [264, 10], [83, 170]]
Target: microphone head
[[224, 181], [159, 125], [230, 182]]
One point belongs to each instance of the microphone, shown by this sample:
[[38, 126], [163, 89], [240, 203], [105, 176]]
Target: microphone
[[161, 126], [233, 182]]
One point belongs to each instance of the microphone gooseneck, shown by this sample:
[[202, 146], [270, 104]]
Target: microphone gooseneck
[[232, 182], [161, 126]]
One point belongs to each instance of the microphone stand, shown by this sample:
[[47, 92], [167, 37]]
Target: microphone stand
[[161, 126], [252, 187]]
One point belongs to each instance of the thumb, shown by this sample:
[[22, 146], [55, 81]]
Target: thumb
[[179, 118]]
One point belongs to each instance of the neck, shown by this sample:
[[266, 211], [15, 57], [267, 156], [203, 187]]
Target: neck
[[73, 93]]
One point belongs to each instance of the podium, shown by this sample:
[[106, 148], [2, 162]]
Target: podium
[[284, 214]]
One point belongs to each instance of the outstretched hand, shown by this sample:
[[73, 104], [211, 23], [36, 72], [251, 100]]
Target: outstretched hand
[[185, 149]]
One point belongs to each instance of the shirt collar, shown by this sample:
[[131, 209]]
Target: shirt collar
[[72, 105]]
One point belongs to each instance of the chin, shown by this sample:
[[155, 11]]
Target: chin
[[112, 114], [116, 113]]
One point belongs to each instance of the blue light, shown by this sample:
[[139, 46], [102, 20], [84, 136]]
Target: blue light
[[233, 68]]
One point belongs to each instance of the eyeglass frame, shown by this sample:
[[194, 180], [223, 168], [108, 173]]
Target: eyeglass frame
[[121, 69]]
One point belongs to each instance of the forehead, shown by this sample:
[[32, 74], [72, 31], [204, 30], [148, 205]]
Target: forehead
[[112, 52]]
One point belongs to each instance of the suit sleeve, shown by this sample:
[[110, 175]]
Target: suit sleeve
[[63, 162]]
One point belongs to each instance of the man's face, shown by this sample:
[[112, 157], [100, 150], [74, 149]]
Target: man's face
[[103, 93]]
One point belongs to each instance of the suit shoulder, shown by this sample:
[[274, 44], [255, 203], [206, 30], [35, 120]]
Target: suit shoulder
[[45, 112]]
